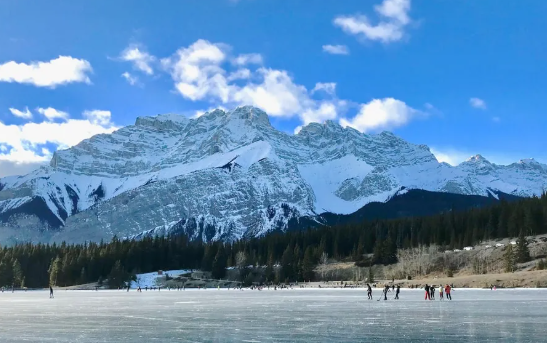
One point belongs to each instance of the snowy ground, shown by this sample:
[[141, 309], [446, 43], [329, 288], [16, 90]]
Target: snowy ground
[[343, 315], [149, 279]]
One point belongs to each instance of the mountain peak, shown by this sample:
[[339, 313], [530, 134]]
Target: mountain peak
[[248, 113], [253, 114], [477, 159], [229, 174], [163, 121]]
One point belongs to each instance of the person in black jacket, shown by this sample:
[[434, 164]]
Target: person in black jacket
[[427, 294], [386, 289], [397, 292]]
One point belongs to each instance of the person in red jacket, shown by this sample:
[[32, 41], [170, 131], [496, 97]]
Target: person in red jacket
[[427, 294], [447, 290]]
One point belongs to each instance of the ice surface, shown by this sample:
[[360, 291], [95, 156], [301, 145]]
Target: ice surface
[[272, 316]]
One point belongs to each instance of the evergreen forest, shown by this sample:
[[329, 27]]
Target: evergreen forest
[[294, 254]]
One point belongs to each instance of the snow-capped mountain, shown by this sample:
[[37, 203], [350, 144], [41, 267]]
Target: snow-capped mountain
[[227, 175]]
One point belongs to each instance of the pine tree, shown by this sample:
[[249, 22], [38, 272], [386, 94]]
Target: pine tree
[[17, 273], [390, 251], [287, 265], [541, 265], [522, 253], [54, 271], [208, 258], [378, 252], [269, 274], [370, 275], [117, 276], [308, 265], [509, 259], [219, 264], [83, 276], [6, 274]]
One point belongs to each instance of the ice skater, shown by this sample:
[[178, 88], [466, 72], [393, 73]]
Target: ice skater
[[397, 292], [427, 294], [447, 290], [386, 289], [432, 291], [51, 292], [369, 292], [441, 295]]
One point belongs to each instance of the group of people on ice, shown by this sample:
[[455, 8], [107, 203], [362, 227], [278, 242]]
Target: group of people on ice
[[387, 288], [429, 291]]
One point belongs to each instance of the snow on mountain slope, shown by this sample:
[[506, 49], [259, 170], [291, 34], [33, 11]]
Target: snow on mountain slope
[[326, 184], [227, 175]]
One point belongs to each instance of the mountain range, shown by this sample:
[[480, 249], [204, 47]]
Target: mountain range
[[228, 175]]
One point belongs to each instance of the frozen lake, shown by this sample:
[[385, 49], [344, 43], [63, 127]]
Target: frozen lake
[[298, 315]]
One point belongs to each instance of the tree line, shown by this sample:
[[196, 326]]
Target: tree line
[[288, 256]]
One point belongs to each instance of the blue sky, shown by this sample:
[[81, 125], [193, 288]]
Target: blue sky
[[463, 77]]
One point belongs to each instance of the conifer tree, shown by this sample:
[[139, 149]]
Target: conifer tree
[[308, 265], [54, 271], [509, 259], [287, 267], [17, 273], [117, 276], [219, 264], [522, 253]]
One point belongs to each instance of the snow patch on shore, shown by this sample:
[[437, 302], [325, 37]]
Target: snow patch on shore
[[151, 279]]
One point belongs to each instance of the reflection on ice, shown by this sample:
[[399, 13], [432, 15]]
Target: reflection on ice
[[300, 315]]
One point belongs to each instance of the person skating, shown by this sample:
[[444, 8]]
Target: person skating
[[432, 291], [386, 289], [369, 292], [441, 295], [447, 290], [397, 292], [50, 292], [427, 294]]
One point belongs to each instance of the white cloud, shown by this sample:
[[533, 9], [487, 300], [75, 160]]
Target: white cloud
[[394, 19], [327, 87], [477, 103], [381, 114], [132, 80], [141, 59], [200, 73], [59, 71], [245, 59], [52, 114], [450, 156], [8, 168], [21, 114], [23, 145], [197, 73], [297, 129], [240, 74], [277, 94], [325, 111], [98, 117], [336, 49], [496, 119]]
